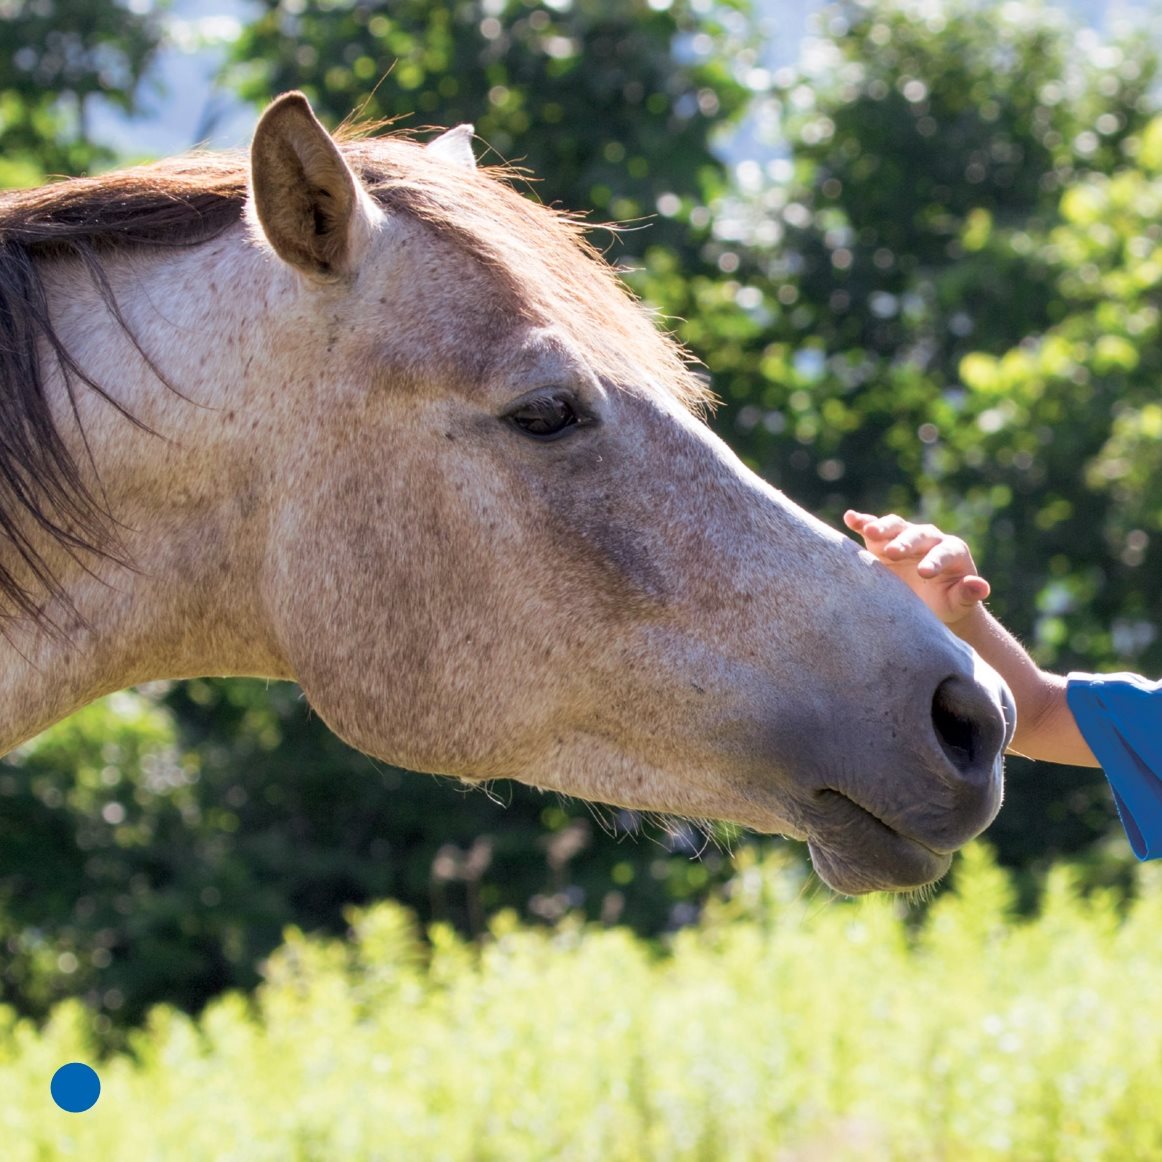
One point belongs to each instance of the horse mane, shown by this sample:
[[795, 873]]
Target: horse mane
[[540, 257]]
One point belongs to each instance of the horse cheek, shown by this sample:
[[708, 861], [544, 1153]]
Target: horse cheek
[[394, 638]]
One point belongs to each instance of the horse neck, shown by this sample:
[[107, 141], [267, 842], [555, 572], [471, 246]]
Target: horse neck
[[189, 495]]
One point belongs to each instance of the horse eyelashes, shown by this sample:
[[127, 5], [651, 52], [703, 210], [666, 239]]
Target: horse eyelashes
[[545, 418]]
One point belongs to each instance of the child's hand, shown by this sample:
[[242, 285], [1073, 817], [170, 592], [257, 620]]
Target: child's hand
[[937, 567]]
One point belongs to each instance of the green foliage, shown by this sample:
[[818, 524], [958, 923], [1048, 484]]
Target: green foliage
[[911, 231], [943, 304], [154, 846], [55, 56], [782, 1026]]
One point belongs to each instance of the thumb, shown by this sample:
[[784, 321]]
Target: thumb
[[971, 590]]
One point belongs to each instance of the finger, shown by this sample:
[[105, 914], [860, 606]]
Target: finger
[[967, 593], [914, 541], [946, 555], [973, 589], [873, 528], [884, 528]]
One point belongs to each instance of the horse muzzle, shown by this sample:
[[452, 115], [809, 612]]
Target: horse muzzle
[[875, 828]]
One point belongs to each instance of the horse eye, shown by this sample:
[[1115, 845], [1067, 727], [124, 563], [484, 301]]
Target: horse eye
[[545, 418]]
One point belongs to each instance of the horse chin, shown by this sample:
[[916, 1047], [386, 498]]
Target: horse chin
[[883, 861]]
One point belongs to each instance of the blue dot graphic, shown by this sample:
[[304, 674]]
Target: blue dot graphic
[[75, 1087]]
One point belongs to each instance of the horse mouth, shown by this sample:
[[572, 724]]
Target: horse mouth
[[857, 852]]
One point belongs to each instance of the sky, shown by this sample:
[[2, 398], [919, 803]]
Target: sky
[[184, 107]]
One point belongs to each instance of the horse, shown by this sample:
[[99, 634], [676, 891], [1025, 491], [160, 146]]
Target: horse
[[354, 412]]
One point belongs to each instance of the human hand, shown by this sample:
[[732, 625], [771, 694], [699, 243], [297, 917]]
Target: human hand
[[937, 567]]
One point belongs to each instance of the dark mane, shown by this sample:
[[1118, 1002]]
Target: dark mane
[[41, 486], [540, 256]]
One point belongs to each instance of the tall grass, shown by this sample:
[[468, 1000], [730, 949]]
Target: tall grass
[[785, 1027]]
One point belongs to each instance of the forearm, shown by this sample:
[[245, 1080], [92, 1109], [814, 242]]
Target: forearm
[[1046, 728]]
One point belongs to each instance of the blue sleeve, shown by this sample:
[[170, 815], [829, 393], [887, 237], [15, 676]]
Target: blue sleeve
[[1120, 717]]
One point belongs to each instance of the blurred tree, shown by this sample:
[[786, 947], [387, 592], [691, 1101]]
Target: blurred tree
[[938, 152], [55, 56], [611, 105], [929, 151], [155, 845], [1065, 428]]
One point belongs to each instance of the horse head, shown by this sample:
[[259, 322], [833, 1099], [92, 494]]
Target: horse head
[[507, 548]]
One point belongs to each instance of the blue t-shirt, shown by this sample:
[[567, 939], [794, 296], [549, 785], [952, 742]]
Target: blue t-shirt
[[1120, 717]]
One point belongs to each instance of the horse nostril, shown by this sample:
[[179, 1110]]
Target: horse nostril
[[969, 729]]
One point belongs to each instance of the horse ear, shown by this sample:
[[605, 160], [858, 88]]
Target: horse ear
[[455, 146], [309, 204]]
